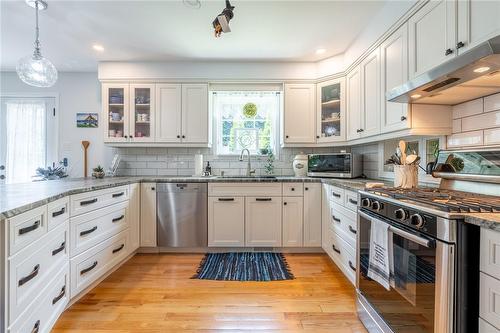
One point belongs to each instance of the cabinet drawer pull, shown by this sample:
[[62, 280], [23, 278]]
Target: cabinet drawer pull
[[36, 328], [59, 212], [88, 202], [61, 295], [352, 230], [263, 199], [354, 202], [116, 195], [352, 266], [116, 219], [460, 45], [226, 199], [335, 249], [448, 52], [403, 118], [59, 249], [25, 230], [88, 269], [336, 219], [119, 249], [306, 188], [293, 188], [30, 276], [86, 232], [335, 194]]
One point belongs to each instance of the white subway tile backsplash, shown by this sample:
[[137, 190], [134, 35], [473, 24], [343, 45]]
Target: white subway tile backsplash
[[457, 126], [492, 103], [492, 136], [156, 165], [482, 121], [465, 139], [146, 172], [468, 108]]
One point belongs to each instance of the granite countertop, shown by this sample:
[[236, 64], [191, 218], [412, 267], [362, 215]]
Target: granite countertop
[[485, 220]]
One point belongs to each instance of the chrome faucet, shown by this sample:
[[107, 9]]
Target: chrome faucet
[[249, 167]]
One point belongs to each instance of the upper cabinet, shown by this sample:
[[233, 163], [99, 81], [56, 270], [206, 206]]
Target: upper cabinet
[[432, 33], [195, 120], [116, 106], [353, 83], [142, 115], [370, 98], [330, 111], [299, 114], [169, 111]]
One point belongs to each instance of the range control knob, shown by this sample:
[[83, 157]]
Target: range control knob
[[377, 206], [417, 220], [365, 202], [401, 214]]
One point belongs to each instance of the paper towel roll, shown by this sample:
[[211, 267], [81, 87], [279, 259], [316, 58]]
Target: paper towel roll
[[198, 165]]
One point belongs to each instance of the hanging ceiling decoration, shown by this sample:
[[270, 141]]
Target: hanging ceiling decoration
[[34, 69], [221, 22]]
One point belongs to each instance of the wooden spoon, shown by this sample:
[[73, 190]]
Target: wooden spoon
[[85, 145], [402, 147], [411, 159]]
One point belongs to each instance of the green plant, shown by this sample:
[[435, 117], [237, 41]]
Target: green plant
[[250, 110], [269, 166], [98, 169]]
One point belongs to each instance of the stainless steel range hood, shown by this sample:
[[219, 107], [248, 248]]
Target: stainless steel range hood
[[473, 74]]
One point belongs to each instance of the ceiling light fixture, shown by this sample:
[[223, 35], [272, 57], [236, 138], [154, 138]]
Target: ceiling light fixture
[[98, 47], [34, 69], [481, 69], [221, 22], [320, 51], [416, 96]]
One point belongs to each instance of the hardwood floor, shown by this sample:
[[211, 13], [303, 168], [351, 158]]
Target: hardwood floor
[[154, 293]]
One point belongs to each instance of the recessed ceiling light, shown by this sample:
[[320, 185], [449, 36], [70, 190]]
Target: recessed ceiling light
[[416, 96], [481, 69], [320, 51], [98, 47]]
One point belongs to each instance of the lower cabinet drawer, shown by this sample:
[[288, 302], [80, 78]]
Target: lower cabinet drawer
[[485, 327], [42, 314], [31, 269], [90, 229], [489, 297], [343, 255], [92, 264], [351, 200], [344, 222], [57, 212], [26, 228]]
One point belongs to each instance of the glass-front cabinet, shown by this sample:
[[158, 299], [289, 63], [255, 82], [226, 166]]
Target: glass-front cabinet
[[331, 111], [142, 112], [115, 117]]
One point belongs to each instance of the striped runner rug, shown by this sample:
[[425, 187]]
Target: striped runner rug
[[244, 266]]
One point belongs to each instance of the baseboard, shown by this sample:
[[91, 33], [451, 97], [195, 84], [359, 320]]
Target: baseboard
[[231, 249]]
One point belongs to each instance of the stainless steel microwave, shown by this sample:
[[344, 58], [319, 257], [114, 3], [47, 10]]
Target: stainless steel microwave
[[335, 165]]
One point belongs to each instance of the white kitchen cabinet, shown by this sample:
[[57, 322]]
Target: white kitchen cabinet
[[134, 216], [148, 215], [330, 118], [353, 83], [142, 113], [370, 98], [115, 112], [195, 119], [293, 221], [263, 221], [394, 72], [168, 112], [226, 221], [432, 36], [478, 20], [312, 214], [299, 125]]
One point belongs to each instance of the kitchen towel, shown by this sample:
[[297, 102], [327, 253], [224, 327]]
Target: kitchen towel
[[378, 266]]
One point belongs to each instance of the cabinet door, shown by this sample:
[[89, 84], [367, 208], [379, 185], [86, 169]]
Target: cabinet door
[[353, 104], [331, 111], [148, 214], [226, 221], [478, 20], [195, 113], [370, 98], [142, 112], [312, 215], [299, 121], [432, 36], [115, 114], [293, 221], [134, 211], [394, 72], [168, 112], [263, 221]]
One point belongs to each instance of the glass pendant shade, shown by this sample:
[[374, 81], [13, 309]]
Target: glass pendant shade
[[36, 71]]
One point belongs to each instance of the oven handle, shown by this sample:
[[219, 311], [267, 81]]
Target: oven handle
[[429, 243]]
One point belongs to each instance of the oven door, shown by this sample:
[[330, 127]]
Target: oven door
[[420, 298]]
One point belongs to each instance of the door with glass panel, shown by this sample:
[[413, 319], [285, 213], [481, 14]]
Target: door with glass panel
[[28, 137], [115, 103], [331, 106], [142, 115]]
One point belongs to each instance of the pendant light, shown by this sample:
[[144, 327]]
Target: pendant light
[[34, 69]]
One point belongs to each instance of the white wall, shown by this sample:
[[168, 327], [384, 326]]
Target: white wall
[[78, 92]]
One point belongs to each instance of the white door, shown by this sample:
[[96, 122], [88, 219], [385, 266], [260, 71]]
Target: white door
[[168, 113], [28, 137], [292, 221], [299, 120], [195, 122], [353, 104], [142, 112], [478, 20], [394, 72], [312, 215], [116, 112], [432, 36], [226, 221], [370, 100], [263, 221], [330, 111]]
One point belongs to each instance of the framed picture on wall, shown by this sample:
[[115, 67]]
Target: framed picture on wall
[[87, 120]]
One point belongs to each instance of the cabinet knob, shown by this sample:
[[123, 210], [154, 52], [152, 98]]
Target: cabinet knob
[[317, 136], [403, 118], [293, 188], [183, 136], [131, 136], [152, 188], [284, 203], [178, 136], [306, 188], [460, 45], [286, 136], [448, 52]]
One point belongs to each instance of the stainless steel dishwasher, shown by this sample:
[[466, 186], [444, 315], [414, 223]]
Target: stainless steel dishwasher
[[182, 214]]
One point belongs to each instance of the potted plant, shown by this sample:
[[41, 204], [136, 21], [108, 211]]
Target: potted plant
[[98, 172]]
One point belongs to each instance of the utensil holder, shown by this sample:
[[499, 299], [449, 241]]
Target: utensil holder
[[405, 176]]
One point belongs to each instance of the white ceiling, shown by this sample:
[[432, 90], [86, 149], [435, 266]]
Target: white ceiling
[[171, 31]]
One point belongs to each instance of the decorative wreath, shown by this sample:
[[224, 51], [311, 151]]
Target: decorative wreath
[[250, 110]]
